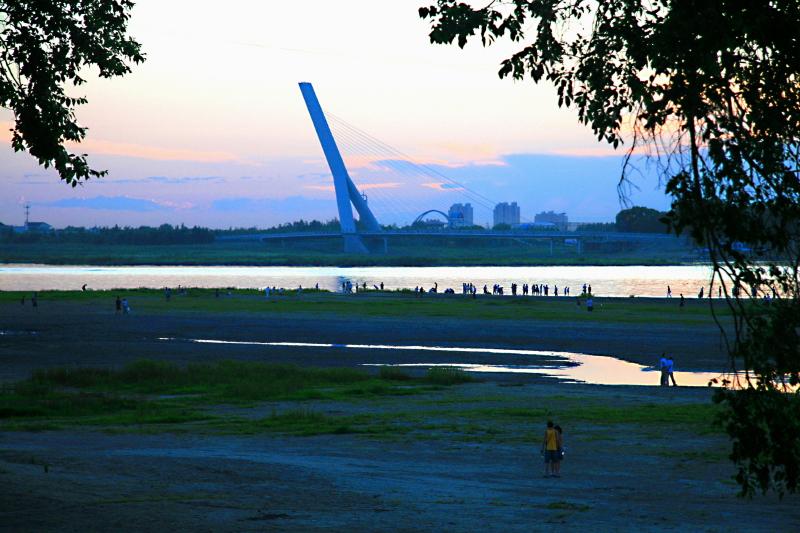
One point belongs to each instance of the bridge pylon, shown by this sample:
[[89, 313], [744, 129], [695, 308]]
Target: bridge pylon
[[347, 194]]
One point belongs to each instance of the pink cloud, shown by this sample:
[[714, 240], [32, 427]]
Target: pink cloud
[[361, 186], [174, 205], [99, 146], [388, 185], [441, 186]]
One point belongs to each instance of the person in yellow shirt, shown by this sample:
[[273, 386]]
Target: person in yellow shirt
[[550, 450]]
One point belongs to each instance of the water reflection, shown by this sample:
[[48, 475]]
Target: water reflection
[[565, 366], [605, 280]]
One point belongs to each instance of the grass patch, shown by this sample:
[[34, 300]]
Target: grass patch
[[696, 414], [385, 304], [220, 382], [711, 455], [403, 251], [566, 506], [305, 422], [393, 373], [154, 396], [445, 375], [147, 394]]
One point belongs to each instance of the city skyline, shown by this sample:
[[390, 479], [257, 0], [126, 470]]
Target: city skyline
[[187, 140]]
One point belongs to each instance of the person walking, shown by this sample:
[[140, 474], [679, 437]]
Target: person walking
[[118, 306], [590, 304], [669, 292], [682, 301], [670, 369], [663, 366], [550, 449]]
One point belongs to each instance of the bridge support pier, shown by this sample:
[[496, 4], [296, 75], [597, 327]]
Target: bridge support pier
[[353, 244]]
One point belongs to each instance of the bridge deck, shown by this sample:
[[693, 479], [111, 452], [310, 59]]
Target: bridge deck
[[456, 234]]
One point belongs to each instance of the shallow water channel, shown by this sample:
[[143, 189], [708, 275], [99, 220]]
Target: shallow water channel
[[564, 366]]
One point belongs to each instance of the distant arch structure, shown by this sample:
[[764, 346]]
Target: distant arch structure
[[420, 218]]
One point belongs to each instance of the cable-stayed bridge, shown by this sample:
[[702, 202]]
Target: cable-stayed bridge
[[400, 189]]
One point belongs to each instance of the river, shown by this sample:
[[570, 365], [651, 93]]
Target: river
[[605, 280]]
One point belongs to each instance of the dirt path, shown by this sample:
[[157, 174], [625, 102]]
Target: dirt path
[[615, 479]]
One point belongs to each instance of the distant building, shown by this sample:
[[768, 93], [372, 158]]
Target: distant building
[[505, 213], [33, 227], [460, 216], [559, 219], [38, 227]]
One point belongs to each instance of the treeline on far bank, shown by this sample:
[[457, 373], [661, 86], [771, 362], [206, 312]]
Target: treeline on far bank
[[633, 220], [163, 234]]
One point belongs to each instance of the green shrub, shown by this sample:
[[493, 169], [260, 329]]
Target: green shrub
[[393, 373], [447, 375]]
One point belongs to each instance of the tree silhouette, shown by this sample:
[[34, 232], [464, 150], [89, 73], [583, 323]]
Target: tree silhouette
[[45, 48], [710, 91]]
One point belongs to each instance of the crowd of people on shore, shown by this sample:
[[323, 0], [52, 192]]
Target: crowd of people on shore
[[470, 289]]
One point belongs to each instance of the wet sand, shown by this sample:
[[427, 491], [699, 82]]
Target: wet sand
[[66, 333]]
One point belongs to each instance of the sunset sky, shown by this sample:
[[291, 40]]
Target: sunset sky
[[212, 129]]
